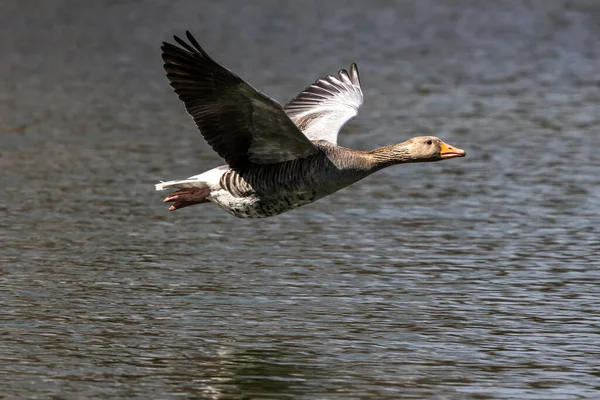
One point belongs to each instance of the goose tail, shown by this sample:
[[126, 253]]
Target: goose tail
[[208, 179], [181, 184]]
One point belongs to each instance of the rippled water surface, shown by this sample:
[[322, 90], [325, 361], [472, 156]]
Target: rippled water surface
[[470, 278]]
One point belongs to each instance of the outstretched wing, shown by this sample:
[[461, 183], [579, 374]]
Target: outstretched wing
[[323, 108], [241, 124]]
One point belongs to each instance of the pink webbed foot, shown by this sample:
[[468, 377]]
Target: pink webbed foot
[[187, 197]]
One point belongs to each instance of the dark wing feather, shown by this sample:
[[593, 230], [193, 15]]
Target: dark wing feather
[[241, 124]]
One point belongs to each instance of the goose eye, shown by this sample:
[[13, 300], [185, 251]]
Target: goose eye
[[429, 142]]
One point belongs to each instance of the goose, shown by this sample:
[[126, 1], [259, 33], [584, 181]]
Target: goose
[[277, 158]]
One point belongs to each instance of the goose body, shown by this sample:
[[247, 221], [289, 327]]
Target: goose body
[[278, 158]]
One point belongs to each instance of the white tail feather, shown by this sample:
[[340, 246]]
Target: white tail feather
[[182, 184], [208, 178]]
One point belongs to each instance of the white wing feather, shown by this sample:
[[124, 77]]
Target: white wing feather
[[323, 108]]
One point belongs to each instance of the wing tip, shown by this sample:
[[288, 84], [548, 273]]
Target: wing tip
[[354, 76], [192, 47], [350, 75]]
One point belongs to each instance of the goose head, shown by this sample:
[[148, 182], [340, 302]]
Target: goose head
[[417, 149], [428, 148]]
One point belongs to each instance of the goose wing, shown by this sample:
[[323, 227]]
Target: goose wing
[[241, 124], [323, 108]]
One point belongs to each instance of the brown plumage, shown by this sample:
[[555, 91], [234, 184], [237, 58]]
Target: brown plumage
[[277, 158]]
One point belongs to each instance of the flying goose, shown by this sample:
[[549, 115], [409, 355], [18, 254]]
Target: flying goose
[[278, 158]]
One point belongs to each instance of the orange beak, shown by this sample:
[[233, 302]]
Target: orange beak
[[448, 151]]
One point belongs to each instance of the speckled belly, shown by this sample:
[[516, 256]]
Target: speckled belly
[[255, 207]]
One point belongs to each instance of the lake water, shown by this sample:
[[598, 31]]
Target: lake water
[[470, 278]]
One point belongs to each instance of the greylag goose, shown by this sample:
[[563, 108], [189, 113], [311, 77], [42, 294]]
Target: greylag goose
[[278, 158]]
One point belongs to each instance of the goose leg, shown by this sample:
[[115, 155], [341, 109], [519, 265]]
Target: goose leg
[[187, 197]]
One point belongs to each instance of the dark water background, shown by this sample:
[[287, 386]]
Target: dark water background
[[471, 278]]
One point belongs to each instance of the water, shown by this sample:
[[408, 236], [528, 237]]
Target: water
[[469, 278]]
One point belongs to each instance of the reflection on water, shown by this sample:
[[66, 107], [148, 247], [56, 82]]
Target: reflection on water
[[472, 278]]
